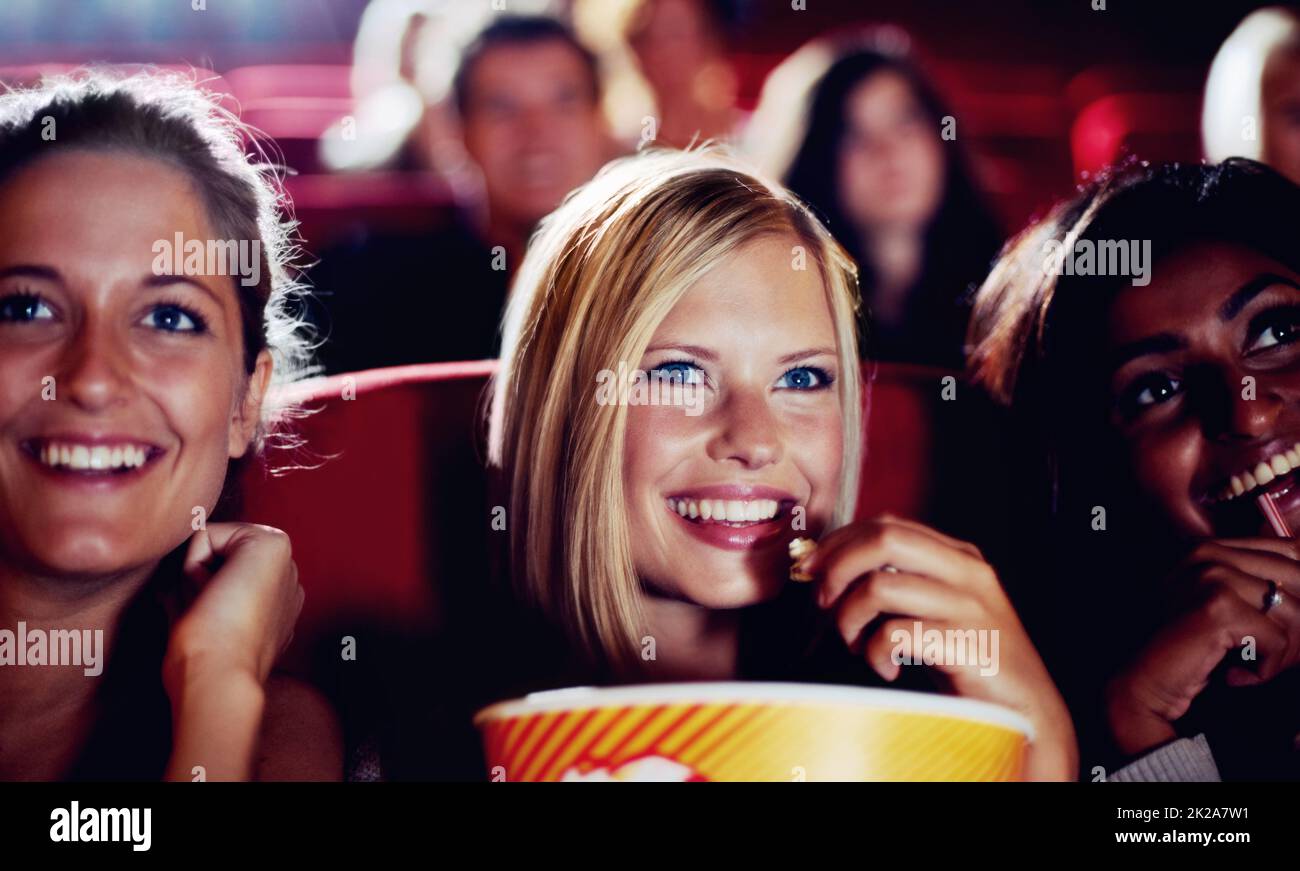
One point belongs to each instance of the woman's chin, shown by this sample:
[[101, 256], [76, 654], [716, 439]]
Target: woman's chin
[[735, 587], [82, 555]]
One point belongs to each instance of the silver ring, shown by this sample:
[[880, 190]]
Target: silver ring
[[1273, 597]]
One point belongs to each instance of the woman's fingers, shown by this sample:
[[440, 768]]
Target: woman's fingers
[[1254, 591], [250, 597], [907, 640], [917, 526], [901, 593], [855, 550], [1224, 622], [1269, 558]]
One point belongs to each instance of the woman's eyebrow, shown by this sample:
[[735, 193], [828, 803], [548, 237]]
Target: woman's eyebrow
[[1161, 343], [1242, 296], [809, 352], [27, 270], [693, 350]]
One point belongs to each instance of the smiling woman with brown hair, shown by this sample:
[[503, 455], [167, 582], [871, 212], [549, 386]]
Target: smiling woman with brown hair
[[126, 392], [1157, 409]]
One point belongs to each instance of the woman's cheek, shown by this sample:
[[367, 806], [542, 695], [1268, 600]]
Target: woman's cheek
[[817, 448], [199, 410], [20, 382], [652, 431], [1164, 465]]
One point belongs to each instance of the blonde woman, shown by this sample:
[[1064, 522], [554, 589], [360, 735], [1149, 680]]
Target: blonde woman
[[679, 397]]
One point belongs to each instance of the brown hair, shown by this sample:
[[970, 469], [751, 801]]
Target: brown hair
[[168, 117]]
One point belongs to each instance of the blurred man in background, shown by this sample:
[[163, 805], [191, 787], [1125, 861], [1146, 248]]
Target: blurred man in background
[[527, 96]]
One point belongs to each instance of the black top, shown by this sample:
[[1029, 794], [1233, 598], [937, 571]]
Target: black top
[[392, 300], [418, 694], [132, 738]]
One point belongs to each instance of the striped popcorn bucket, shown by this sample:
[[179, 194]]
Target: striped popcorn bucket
[[750, 732]]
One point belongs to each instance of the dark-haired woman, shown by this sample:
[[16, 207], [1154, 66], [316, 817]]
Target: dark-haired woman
[[872, 159], [134, 370], [1147, 338]]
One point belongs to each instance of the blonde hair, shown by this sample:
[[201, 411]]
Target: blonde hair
[[600, 275], [1234, 87]]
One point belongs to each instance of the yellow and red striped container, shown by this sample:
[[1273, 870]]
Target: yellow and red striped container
[[750, 732]]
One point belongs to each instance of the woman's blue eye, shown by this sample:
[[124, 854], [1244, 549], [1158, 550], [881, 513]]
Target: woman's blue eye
[[805, 378], [174, 319], [24, 307], [678, 372]]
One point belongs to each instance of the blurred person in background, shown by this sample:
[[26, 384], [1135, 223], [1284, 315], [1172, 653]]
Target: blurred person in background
[[670, 78], [527, 99], [1252, 95], [869, 154]]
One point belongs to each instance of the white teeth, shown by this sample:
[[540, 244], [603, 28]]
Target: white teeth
[[1282, 463], [1264, 473], [728, 510], [92, 458]]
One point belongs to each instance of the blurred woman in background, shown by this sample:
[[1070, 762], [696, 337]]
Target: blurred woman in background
[[129, 388], [870, 156], [670, 78]]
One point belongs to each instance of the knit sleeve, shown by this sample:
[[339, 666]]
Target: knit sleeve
[[1182, 761]]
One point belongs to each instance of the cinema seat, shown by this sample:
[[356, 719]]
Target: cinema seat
[[335, 208], [390, 498], [1159, 127], [260, 82]]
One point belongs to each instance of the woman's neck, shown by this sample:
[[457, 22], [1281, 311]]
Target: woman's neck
[[89, 606], [895, 253], [690, 642]]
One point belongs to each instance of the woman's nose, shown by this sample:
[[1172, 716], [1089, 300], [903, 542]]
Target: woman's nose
[[1249, 409], [95, 369], [748, 432]]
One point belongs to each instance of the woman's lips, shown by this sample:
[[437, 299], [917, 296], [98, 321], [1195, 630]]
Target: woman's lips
[[732, 524]]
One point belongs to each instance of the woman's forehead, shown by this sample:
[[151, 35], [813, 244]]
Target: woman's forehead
[[1188, 286], [767, 287]]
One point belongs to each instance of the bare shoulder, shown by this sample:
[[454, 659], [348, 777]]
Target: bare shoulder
[[301, 736]]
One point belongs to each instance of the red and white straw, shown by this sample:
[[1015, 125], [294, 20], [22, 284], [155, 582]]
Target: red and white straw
[[1275, 519]]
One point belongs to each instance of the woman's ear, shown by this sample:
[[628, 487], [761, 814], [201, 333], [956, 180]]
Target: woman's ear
[[248, 414]]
